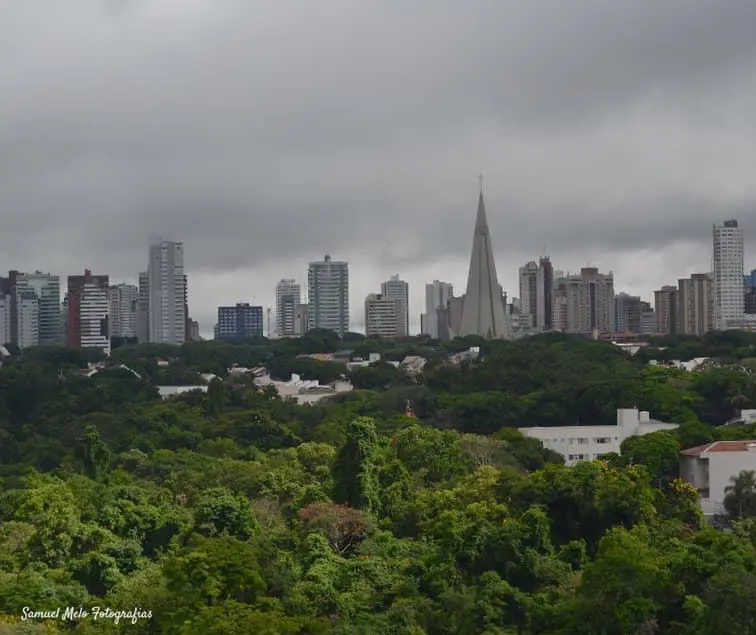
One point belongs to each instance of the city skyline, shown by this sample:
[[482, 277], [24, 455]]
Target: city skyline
[[600, 144]]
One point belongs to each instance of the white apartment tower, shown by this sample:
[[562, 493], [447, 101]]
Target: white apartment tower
[[328, 291], [27, 312], [385, 317], [727, 265], [397, 289], [94, 311], [288, 296], [167, 293], [437, 296], [123, 300]]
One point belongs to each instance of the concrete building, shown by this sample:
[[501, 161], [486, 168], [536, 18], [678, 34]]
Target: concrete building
[[435, 320], [239, 322], [647, 319], [397, 289], [47, 289], [695, 300], [710, 467], [584, 302], [123, 300], [727, 261], [143, 308], [385, 316], [26, 319], [536, 294], [328, 291], [483, 305], [88, 310], [167, 293], [627, 313], [588, 443], [301, 319], [5, 309], [665, 309], [288, 296]]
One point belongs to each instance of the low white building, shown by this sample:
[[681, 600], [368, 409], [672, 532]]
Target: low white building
[[588, 443], [710, 467], [304, 391]]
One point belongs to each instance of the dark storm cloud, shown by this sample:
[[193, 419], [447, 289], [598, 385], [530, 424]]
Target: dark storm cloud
[[261, 132]]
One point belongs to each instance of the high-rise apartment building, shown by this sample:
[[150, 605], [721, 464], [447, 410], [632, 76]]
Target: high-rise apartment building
[[26, 309], [301, 319], [385, 316], [398, 289], [167, 293], [727, 264], [47, 289], [143, 308], [123, 300], [627, 313], [88, 312], [584, 303], [5, 308], [288, 296], [435, 321], [665, 309], [647, 318], [328, 295], [695, 301], [536, 293], [239, 322]]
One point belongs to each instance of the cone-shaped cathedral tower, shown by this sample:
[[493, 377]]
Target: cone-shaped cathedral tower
[[483, 305]]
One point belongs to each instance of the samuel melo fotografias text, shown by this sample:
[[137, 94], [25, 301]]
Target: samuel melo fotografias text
[[66, 613]]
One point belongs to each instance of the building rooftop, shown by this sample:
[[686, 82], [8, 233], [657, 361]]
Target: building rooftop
[[720, 446]]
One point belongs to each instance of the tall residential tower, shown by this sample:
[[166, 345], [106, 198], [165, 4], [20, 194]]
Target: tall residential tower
[[167, 293]]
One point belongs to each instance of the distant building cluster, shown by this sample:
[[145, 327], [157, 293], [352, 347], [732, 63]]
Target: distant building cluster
[[93, 311]]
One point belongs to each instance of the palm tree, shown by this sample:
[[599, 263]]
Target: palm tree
[[740, 496]]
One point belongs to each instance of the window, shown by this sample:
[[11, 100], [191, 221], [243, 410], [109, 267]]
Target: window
[[602, 440], [582, 441]]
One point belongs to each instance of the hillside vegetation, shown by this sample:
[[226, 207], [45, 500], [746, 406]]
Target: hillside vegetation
[[237, 512]]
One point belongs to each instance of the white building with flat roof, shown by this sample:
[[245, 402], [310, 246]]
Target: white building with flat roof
[[710, 467], [588, 443]]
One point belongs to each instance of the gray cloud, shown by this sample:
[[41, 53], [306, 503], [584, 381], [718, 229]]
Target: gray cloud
[[266, 134]]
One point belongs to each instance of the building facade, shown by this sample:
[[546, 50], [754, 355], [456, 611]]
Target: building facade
[[26, 311], [123, 300], [5, 308], [385, 316], [588, 443], [167, 293], [665, 309], [584, 303], [301, 319], [328, 295], [627, 313], [710, 467], [727, 264], [695, 299], [239, 322], [435, 320], [398, 289], [47, 289], [288, 296], [88, 310], [536, 290]]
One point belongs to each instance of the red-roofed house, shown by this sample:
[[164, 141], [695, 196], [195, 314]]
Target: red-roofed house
[[710, 467]]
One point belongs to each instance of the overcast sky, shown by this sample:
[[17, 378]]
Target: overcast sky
[[264, 134]]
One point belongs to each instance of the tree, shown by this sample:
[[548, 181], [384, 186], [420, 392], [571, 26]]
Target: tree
[[343, 526], [740, 495], [355, 470]]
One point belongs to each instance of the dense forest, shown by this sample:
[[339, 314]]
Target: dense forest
[[235, 511]]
